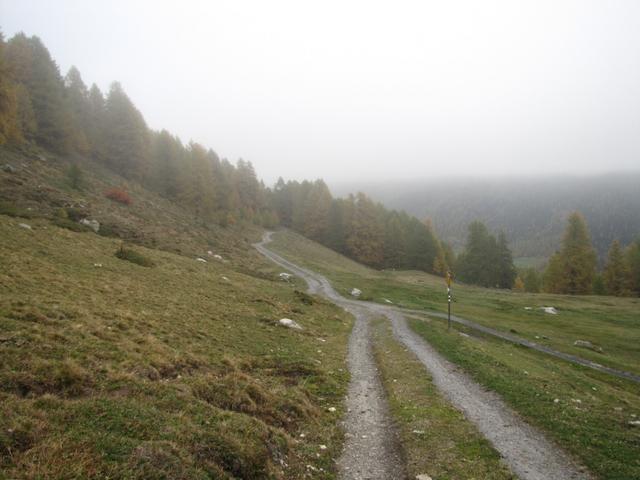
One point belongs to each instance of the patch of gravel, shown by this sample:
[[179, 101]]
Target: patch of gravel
[[529, 454]]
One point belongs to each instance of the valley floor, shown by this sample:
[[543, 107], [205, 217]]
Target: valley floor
[[525, 450]]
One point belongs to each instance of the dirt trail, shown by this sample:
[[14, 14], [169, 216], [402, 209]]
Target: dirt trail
[[526, 450], [371, 448]]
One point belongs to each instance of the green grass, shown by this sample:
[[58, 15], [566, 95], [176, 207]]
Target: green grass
[[436, 438], [585, 411], [591, 416], [609, 322], [166, 372], [110, 370]]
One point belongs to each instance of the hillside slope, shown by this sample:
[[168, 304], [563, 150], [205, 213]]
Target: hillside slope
[[174, 370], [532, 212]]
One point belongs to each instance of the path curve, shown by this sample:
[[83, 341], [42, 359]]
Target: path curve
[[525, 449], [371, 449]]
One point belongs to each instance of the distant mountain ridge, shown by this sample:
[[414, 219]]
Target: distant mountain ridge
[[532, 212]]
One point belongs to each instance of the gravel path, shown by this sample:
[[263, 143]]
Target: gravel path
[[527, 452], [371, 450]]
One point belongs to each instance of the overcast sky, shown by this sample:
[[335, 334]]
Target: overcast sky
[[366, 90]]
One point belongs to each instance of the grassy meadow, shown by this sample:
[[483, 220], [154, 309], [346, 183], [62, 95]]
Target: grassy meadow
[[123, 356], [586, 412]]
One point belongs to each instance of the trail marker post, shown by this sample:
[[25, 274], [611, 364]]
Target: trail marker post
[[448, 301]]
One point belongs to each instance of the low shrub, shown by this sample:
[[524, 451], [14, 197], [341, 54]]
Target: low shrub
[[12, 210], [132, 256], [119, 195], [75, 177], [70, 224]]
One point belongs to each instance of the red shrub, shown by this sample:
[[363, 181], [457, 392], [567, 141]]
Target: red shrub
[[118, 195]]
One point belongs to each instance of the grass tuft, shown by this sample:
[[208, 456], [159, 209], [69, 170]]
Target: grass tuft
[[132, 256]]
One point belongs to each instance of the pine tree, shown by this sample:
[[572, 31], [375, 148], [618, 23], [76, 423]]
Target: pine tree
[[316, 212], [95, 123], [365, 239], [77, 99], [394, 241], [616, 272], [633, 263], [168, 162], [10, 129], [30, 64], [572, 269], [202, 196], [506, 271], [126, 136], [531, 281], [477, 263]]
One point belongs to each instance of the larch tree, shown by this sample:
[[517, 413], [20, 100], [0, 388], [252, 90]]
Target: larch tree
[[572, 270], [77, 98], [10, 131], [127, 146], [365, 239], [30, 64], [616, 271], [633, 262], [316, 212]]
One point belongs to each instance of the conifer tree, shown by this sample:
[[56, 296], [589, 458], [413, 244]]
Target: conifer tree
[[531, 281], [95, 123], [77, 99], [126, 136], [10, 131], [316, 212], [30, 64], [616, 272], [506, 271], [572, 269], [365, 238], [633, 263], [394, 241]]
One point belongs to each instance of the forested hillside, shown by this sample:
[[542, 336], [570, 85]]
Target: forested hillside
[[79, 124], [532, 212]]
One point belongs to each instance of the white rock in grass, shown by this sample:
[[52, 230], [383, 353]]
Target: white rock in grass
[[356, 292], [332, 409], [226, 279], [92, 224], [550, 310], [217, 257], [201, 260], [387, 300], [25, 226], [285, 276], [634, 423], [210, 253], [323, 447], [287, 322], [423, 476]]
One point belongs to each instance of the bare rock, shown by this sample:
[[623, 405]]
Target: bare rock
[[25, 226], [356, 292], [588, 345], [92, 224], [287, 322]]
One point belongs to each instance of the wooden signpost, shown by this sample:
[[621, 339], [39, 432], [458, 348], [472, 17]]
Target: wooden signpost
[[449, 277]]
